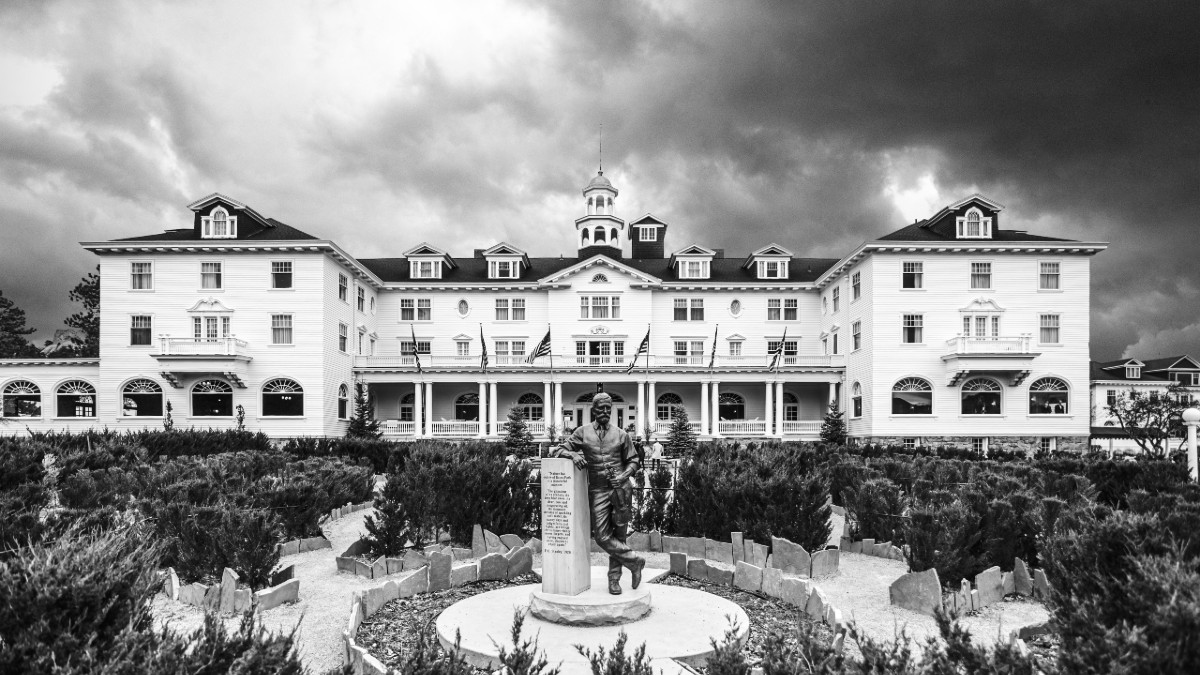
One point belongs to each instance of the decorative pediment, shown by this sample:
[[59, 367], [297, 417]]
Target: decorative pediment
[[504, 248], [462, 337], [771, 250], [210, 305], [695, 250], [599, 261], [736, 338], [647, 220], [982, 306], [1131, 363], [424, 249], [216, 198], [1182, 363]]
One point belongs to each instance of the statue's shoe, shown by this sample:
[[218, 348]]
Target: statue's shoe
[[614, 585], [636, 572]]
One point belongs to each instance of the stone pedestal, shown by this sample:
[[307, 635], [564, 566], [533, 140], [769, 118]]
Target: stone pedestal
[[566, 528], [595, 606]]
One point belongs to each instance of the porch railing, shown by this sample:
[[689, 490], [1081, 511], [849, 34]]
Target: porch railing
[[962, 344], [398, 428], [190, 346], [454, 428], [742, 427], [688, 362], [802, 427], [663, 426]]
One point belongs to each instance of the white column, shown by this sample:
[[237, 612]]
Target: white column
[[641, 407], [419, 409], [704, 428], [779, 408], [547, 406], [558, 409], [716, 408], [429, 409], [652, 403], [832, 396], [493, 403], [483, 421], [769, 415]]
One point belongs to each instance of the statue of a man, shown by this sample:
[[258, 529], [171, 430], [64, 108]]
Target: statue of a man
[[608, 455]]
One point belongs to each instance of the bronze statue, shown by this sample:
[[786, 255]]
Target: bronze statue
[[608, 456]]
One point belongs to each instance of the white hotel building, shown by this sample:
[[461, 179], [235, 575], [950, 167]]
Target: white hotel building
[[950, 330]]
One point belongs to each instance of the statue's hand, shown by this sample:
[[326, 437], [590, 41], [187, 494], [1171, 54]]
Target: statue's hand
[[579, 460]]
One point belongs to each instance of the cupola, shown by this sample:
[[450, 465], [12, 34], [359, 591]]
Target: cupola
[[599, 231]]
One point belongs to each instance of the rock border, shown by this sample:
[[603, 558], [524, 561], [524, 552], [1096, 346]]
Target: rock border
[[227, 598]]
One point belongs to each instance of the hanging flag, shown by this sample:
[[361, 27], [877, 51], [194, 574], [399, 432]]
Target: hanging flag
[[483, 359], [713, 357], [415, 355], [643, 348], [542, 349], [777, 355]]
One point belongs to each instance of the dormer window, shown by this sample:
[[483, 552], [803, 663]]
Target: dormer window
[[1133, 372], [693, 269], [974, 225], [772, 269], [218, 224], [425, 269], [503, 269], [648, 233]]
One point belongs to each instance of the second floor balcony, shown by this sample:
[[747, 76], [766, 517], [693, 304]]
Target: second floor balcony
[[228, 346], [1008, 356], [671, 362]]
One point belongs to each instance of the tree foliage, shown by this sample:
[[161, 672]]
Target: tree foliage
[[833, 430], [517, 438], [13, 343], [363, 424], [86, 322], [1152, 419], [681, 438]]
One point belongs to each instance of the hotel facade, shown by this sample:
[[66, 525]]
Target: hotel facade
[[951, 330]]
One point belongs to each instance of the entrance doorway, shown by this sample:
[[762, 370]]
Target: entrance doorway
[[622, 414]]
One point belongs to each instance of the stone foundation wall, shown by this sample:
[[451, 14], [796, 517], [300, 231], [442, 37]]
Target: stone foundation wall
[[1026, 444]]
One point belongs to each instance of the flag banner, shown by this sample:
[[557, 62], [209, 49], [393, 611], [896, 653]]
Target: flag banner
[[777, 355], [643, 348], [483, 358], [542, 349], [416, 356], [712, 359]]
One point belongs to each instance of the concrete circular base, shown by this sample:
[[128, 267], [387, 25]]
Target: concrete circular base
[[680, 627], [593, 607]]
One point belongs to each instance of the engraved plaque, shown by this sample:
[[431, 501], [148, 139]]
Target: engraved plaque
[[566, 528]]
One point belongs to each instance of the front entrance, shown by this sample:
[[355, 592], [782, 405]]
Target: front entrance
[[622, 413]]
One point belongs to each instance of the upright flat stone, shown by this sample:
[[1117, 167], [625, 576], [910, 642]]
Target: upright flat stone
[[795, 592], [719, 573], [739, 547], [566, 528], [345, 564], [918, 591], [748, 577], [314, 544], [825, 563], [464, 573], [362, 569], [269, 598], [289, 548], [494, 545], [815, 607], [439, 571], [856, 547], [478, 544], [493, 567], [755, 553], [674, 545], [1022, 582], [844, 544], [789, 557], [379, 568], [511, 541], [414, 582], [414, 560], [534, 544], [990, 586], [1041, 585], [772, 582], [520, 561], [394, 565], [868, 546], [639, 541], [695, 547], [679, 564], [1006, 580], [719, 551], [697, 569], [282, 575], [229, 584], [188, 595], [171, 587], [656, 541], [373, 599], [212, 598], [976, 602]]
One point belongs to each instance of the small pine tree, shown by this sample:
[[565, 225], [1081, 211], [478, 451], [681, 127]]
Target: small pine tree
[[681, 438], [388, 528], [517, 438], [363, 424], [833, 431]]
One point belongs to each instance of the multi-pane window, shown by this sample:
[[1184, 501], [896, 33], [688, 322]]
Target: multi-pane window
[[343, 402], [343, 337], [1048, 276], [210, 275], [599, 352], [735, 348], [772, 269], [425, 269], [218, 224], [139, 329], [977, 325], [688, 309], [362, 299], [913, 329], [909, 443], [856, 335], [281, 329], [837, 298], [693, 269], [914, 275], [980, 445], [1047, 444], [982, 396], [666, 405], [912, 396], [343, 285], [462, 348], [782, 309], [210, 328], [416, 309], [1049, 329], [510, 351], [855, 286], [835, 343], [1110, 397], [790, 350], [981, 275], [599, 306], [282, 398], [281, 274], [76, 399], [141, 276], [856, 408], [689, 351], [1049, 396], [648, 233], [141, 398], [422, 347], [503, 269]]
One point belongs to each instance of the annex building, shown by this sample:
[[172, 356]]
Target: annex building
[[954, 329]]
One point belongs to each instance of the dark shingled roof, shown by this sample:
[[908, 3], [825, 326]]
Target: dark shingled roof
[[1098, 371], [281, 232], [916, 232]]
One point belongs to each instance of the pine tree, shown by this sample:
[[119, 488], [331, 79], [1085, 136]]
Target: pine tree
[[363, 424], [681, 438], [833, 431], [517, 438], [388, 527], [86, 322], [13, 344]]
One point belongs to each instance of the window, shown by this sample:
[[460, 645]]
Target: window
[[22, 398], [599, 279], [218, 224], [782, 309], [735, 308], [141, 276], [1047, 444], [343, 337], [909, 443], [76, 398], [503, 269], [856, 335], [141, 398], [981, 396], [688, 310], [913, 331], [1048, 276], [977, 325], [406, 407], [696, 309], [1187, 379], [855, 286], [210, 275], [837, 298], [772, 269], [599, 307], [362, 299], [913, 276], [666, 405], [139, 330], [210, 328], [343, 402], [790, 350], [1110, 397], [599, 352], [689, 351], [731, 406], [212, 398], [372, 304], [417, 309], [648, 233], [980, 445], [510, 351], [856, 407], [343, 284], [1048, 329], [425, 269], [693, 269], [735, 348], [791, 407], [406, 347], [513, 310], [531, 406], [1133, 372], [1048, 396], [981, 275], [974, 226], [462, 348], [912, 396], [282, 398], [281, 274], [466, 407], [464, 308], [281, 329], [835, 343]]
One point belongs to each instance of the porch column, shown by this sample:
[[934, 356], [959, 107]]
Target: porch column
[[558, 416], [547, 407], [704, 428], [482, 410], [652, 402], [641, 407], [832, 396], [428, 409], [419, 409], [493, 421], [769, 415], [716, 409], [779, 409]]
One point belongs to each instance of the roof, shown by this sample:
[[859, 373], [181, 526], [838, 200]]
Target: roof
[[916, 232], [1153, 370], [278, 232]]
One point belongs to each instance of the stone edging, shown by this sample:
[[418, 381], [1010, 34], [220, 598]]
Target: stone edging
[[304, 545], [883, 549], [227, 598], [784, 555]]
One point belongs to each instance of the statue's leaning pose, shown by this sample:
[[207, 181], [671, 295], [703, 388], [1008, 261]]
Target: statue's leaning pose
[[608, 455]]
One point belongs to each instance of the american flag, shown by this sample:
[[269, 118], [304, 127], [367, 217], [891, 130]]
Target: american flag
[[713, 357], [542, 349], [415, 355], [778, 353], [483, 359], [643, 348]]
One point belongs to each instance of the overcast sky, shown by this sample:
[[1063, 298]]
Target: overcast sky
[[816, 125]]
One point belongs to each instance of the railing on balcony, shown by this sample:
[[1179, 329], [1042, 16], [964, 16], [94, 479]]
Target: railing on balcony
[[663, 426], [191, 346], [593, 361], [398, 428], [536, 427], [455, 428], [742, 427], [963, 344], [806, 427], [753, 361]]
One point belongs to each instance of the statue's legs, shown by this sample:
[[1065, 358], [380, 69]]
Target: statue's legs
[[610, 536]]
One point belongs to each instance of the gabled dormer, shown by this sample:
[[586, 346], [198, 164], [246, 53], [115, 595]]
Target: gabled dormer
[[649, 236], [769, 262], [1132, 369], [1182, 369], [427, 262], [693, 262], [221, 217], [505, 261], [975, 217]]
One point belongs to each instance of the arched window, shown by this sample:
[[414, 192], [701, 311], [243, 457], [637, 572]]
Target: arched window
[[531, 406], [791, 407], [212, 398], [599, 279], [466, 407], [912, 396], [406, 407], [1049, 396], [585, 235], [76, 398], [282, 397], [731, 407], [343, 401], [22, 398], [856, 400], [974, 220], [599, 235], [615, 237], [141, 398], [666, 404], [981, 396]]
